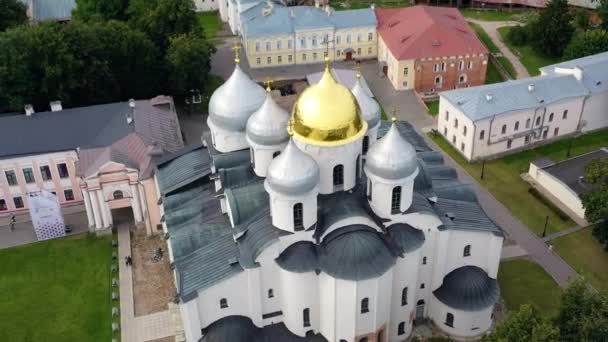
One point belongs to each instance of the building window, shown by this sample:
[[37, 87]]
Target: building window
[[405, 84], [365, 144], [447, 115], [460, 65], [268, 46], [555, 131], [424, 260], [449, 320], [338, 39], [565, 115], [68, 194], [28, 174], [422, 286], [223, 303], [406, 71], [298, 217], [276, 154], [462, 146], [370, 36], [18, 202], [369, 190], [365, 305], [338, 175], [443, 66], [63, 170], [545, 134], [289, 44], [527, 139], [45, 171], [467, 251], [438, 81], [314, 40], [11, 178], [303, 42], [306, 317], [470, 65], [538, 121], [404, 296], [303, 56], [445, 131], [314, 56], [453, 139], [396, 200], [504, 129], [289, 58], [279, 59], [364, 339], [268, 60], [551, 117], [3, 205], [338, 53], [279, 44], [436, 68], [528, 123], [464, 131], [462, 79], [257, 46], [369, 50], [401, 328], [270, 293], [359, 51], [258, 61], [482, 134], [455, 123], [359, 37], [516, 128], [118, 195]]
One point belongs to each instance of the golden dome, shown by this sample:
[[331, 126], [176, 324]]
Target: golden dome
[[327, 114]]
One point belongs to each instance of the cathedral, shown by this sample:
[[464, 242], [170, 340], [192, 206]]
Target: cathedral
[[323, 224]]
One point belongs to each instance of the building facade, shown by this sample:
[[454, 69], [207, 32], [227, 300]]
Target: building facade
[[429, 49], [493, 120], [100, 156], [274, 35], [338, 228], [206, 5]]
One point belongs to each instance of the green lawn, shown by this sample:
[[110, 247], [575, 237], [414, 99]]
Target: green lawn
[[210, 23], [506, 63], [433, 107], [485, 38], [492, 74], [490, 15], [585, 254], [525, 282], [56, 290], [502, 178], [358, 4], [528, 57]]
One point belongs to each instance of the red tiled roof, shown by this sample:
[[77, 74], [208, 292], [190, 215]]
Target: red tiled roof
[[423, 31]]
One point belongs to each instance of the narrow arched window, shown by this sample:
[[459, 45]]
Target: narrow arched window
[[276, 154], [504, 129], [338, 175], [449, 320], [455, 123], [306, 317], [528, 123], [223, 303], [369, 190], [464, 130], [396, 200], [365, 305], [298, 217], [364, 339], [270, 293], [538, 121], [404, 296], [401, 329], [467, 251], [118, 194], [516, 126], [424, 260], [550, 117], [365, 144], [482, 134]]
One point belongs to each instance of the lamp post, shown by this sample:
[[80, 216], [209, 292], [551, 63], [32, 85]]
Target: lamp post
[[483, 167], [545, 229]]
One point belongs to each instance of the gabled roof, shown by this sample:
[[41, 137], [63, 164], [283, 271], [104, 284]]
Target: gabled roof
[[594, 71], [423, 32]]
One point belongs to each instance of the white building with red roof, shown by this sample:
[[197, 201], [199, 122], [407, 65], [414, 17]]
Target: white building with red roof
[[429, 49]]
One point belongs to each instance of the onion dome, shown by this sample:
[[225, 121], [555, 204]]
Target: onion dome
[[293, 172], [468, 288], [327, 113], [392, 157], [268, 125], [234, 101], [369, 107]]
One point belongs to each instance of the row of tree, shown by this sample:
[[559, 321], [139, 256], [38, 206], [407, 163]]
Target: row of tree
[[583, 316], [595, 202], [561, 32], [112, 50]]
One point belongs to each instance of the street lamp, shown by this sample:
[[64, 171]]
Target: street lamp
[[483, 167], [545, 229]]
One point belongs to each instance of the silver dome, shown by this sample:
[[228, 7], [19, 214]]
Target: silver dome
[[233, 102], [268, 125], [369, 107], [391, 157], [293, 172]]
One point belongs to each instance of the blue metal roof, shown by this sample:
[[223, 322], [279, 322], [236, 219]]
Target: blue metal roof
[[51, 9], [482, 102], [594, 67]]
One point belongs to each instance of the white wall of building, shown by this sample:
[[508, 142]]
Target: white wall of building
[[595, 112], [380, 191], [206, 5], [403, 277], [558, 189], [225, 140], [466, 323]]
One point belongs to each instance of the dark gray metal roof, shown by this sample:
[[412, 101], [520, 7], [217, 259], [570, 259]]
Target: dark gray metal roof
[[255, 235], [408, 132], [229, 159], [355, 252], [466, 216], [183, 167], [299, 258], [246, 201], [468, 288], [242, 329], [543, 162], [238, 176], [406, 237], [571, 170]]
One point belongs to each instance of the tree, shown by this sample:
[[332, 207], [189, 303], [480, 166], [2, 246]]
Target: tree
[[583, 314], [12, 13], [526, 324], [581, 19], [587, 43], [100, 9], [518, 35], [596, 171], [595, 202], [552, 31], [189, 62], [602, 10]]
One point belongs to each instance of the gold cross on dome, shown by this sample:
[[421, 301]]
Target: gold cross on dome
[[358, 68], [326, 42], [236, 47], [268, 83], [395, 112], [290, 127]]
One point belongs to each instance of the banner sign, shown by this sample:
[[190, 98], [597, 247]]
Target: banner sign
[[46, 215]]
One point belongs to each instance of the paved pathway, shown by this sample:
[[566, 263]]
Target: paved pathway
[[514, 251], [142, 328], [564, 233], [491, 29]]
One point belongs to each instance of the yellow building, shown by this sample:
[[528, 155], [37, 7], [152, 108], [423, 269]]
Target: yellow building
[[274, 35]]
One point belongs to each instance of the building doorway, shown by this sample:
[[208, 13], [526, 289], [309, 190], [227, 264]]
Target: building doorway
[[122, 215], [380, 337], [420, 310], [349, 56], [385, 70]]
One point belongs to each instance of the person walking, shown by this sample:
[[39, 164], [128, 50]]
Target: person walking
[[12, 223]]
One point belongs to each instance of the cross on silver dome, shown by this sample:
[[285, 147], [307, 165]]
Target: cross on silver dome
[[268, 125], [370, 110]]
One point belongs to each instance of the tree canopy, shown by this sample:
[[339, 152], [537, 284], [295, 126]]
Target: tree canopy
[[188, 59], [100, 10], [12, 13], [551, 32], [587, 43], [602, 10], [526, 324], [583, 314]]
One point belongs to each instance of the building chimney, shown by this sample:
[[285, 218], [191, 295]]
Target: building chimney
[[29, 110], [530, 87], [488, 97], [131, 111], [56, 106]]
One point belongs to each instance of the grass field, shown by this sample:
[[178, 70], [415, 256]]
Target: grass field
[[210, 23], [506, 63], [492, 74], [531, 59], [502, 178], [489, 15], [433, 107], [585, 254], [485, 38], [56, 290], [524, 282]]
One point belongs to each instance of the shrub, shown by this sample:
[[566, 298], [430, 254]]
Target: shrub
[[518, 35]]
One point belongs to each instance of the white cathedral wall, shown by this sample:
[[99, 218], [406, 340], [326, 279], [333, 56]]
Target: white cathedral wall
[[223, 7], [262, 155], [299, 291], [269, 280], [327, 157], [404, 275], [466, 323], [288, 240], [429, 251], [372, 133], [190, 320], [281, 207], [227, 141], [382, 190]]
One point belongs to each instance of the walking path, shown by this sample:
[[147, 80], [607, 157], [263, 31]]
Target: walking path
[[564, 233], [491, 28], [142, 328], [514, 251]]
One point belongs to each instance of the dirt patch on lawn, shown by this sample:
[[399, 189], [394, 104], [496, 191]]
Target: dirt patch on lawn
[[153, 285]]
